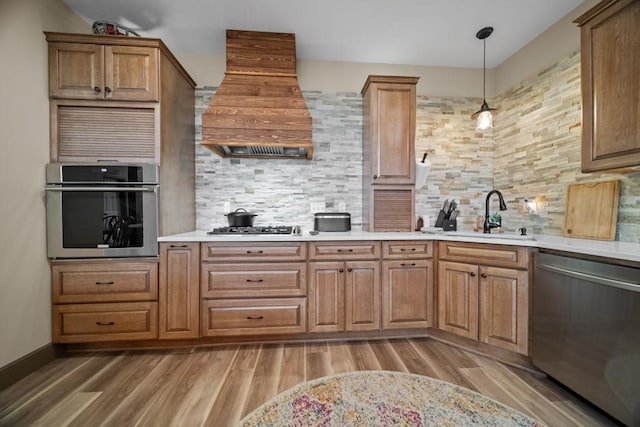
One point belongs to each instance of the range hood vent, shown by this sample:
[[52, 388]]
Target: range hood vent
[[259, 110]]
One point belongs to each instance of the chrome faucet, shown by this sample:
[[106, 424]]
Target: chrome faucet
[[503, 207]]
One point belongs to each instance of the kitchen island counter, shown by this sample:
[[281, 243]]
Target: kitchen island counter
[[609, 249]]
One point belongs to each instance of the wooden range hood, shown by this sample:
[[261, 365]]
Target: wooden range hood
[[258, 110]]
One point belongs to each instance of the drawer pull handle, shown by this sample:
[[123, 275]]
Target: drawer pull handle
[[255, 280], [96, 89], [472, 274], [105, 283], [107, 89], [105, 324], [413, 264], [178, 246], [255, 252], [405, 249], [255, 318], [345, 250]]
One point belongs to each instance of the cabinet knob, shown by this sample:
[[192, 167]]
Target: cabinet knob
[[107, 89], [472, 274], [484, 276], [375, 176], [349, 269], [341, 270], [96, 89]]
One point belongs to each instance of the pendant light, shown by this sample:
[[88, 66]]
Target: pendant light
[[484, 114]]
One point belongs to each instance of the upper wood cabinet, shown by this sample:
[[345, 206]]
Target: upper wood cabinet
[[389, 108], [111, 72], [610, 40]]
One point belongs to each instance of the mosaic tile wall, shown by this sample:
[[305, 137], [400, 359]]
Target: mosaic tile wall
[[534, 151], [537, 152]]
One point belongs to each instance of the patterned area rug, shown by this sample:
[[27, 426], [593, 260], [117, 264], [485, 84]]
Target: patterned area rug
[[383, 398]]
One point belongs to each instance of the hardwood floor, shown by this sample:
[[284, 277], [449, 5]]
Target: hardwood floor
[[217, 386]]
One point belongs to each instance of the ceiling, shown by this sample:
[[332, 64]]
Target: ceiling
[[415, 32]]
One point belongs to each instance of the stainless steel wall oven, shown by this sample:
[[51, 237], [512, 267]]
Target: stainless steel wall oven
[[101, 210]]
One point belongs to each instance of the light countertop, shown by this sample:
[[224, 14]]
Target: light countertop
[[618, 250]]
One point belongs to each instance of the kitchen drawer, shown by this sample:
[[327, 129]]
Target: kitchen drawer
[[344, 250], [259, 251], [484, 253], [253, 316], [253, 280], [409, 249], [73, 323], [80, 282]]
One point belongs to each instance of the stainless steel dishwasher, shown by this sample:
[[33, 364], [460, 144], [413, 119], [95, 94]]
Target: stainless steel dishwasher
[[586, 330]]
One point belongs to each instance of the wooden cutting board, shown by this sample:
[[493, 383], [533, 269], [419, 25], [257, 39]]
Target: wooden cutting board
[[592, 210]]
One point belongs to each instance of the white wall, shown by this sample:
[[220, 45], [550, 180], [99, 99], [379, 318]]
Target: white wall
[[25, 289]]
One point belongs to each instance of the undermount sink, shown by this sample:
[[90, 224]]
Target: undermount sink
[[509, 236]]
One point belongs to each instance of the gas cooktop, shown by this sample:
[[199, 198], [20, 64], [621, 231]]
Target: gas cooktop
[[270, 229]]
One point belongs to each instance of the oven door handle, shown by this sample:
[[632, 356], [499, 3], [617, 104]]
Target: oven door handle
[[116, 189]]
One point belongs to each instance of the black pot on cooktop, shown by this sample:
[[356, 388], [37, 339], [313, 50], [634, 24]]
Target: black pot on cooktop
[[240, 218]]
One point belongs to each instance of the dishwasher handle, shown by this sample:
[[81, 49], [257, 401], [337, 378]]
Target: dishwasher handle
[[629, 286]]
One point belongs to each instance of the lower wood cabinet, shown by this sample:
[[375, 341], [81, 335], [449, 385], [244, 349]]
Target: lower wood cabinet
[[253, 316], [344, 296], [75, 323], [104, 300], [179, 291], [407, 293], [482, 302]]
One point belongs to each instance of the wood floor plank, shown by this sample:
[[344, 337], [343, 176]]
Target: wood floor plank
[[129, 369], [217, 386], [264, 384], [67, 410], [227, 409], [39, 404], [412, 359], [212, 367], [387, 357], [364, 357], [292, 370]]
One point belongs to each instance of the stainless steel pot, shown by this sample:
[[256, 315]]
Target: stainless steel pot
[[240, 218]]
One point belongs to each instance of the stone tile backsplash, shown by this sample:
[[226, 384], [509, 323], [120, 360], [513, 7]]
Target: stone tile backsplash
[[534, 151]]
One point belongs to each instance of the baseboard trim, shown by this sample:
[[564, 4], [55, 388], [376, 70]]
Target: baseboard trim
[[29, 363]]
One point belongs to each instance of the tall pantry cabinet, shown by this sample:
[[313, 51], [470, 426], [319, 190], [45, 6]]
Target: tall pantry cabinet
[[127, 99], [389, 127]]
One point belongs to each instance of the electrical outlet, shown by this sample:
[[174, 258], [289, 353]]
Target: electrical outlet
[[317, 207]]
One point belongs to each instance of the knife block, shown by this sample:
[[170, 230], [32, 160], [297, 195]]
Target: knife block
[[449, 225]]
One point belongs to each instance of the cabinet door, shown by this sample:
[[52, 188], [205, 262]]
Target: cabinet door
[[504, 308], [131, 73], [362, 296], [326, 296], [179, 309], [458, 298], [610, 86], [407, 294], [393, 109], [76, 71]]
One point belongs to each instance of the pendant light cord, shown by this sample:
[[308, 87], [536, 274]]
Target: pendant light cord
[[484, 70]]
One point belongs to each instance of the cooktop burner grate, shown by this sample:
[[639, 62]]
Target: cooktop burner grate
[[271, 229]]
